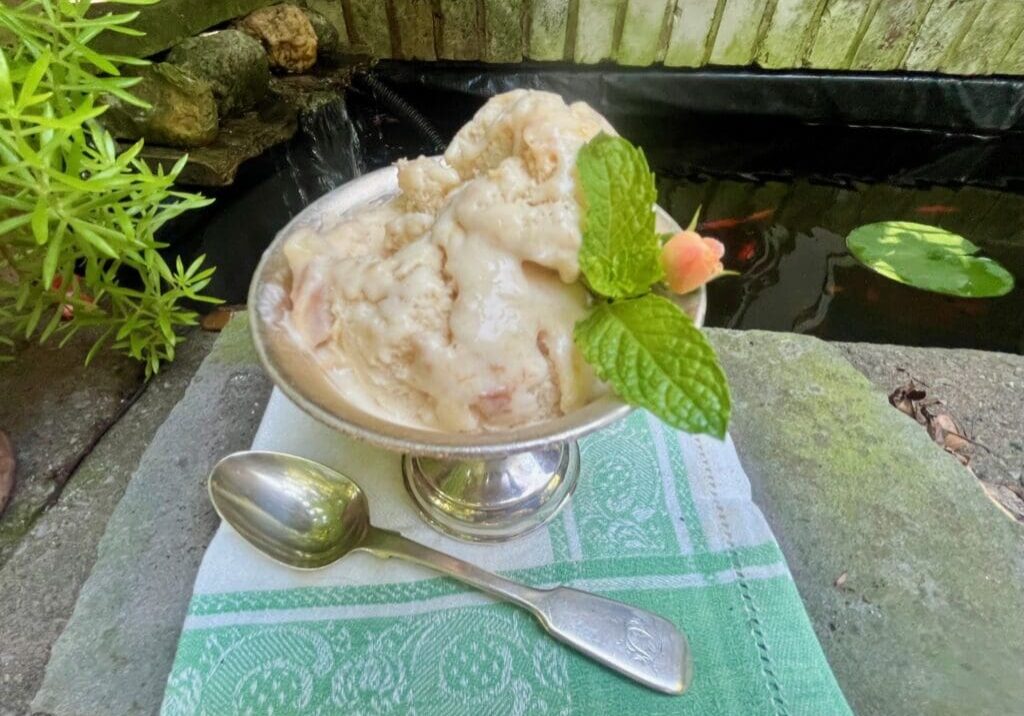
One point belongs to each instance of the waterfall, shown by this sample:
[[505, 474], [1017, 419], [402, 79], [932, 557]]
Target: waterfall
[[325, 154]]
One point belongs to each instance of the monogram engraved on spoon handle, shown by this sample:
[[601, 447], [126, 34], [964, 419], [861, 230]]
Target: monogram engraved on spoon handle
[[634, 642]]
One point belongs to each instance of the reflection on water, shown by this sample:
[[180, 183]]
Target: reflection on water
[[785, 237], [788, 242]]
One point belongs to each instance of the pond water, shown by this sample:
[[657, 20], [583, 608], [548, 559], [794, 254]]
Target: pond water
[[780, 195]]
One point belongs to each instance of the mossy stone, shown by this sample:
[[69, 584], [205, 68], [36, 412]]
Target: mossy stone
[[232, 62], [182, 111], [327, 40]]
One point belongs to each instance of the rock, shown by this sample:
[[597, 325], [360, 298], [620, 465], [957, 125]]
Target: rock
[[240, 139], [182, 111], [928, 617], [287, 35], [218, 318], [166, 23], [117, 648], [41, 580], [6, 470], [234, 64], [327, 40], [54, 409]]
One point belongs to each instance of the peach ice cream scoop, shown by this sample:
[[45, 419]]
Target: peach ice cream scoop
[[452, 305]]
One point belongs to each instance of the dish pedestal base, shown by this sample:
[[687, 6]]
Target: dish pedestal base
[[493, 500]]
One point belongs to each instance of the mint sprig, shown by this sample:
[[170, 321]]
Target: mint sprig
[[618, 194], [640, 343], [650, 352]]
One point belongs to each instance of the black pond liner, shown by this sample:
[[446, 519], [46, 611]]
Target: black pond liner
[[784, 164]]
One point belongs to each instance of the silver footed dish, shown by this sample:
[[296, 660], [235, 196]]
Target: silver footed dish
[[489, 486]]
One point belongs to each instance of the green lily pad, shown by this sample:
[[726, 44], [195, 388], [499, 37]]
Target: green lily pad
[[928, 258]]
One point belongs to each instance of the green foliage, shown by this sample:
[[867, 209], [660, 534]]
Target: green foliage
[[641, 344], [620, 255], [74, 213], [928, 258], [653, 356]]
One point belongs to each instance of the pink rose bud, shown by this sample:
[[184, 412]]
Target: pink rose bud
[[691, 260]]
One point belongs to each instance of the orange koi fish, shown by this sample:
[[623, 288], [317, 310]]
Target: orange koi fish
[[732, 223], [936, 209]]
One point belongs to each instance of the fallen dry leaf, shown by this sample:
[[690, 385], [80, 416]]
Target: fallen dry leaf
[[906, 399], [910, 399], [216, 319], [840, 581], [6, 470]]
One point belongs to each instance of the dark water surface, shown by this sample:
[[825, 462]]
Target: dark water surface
[[780, 195]]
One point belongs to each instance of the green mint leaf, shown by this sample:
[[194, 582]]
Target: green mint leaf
[[620, 255], [650, 352]]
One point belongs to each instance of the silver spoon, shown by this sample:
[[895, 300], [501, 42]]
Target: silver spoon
[[307, 516]]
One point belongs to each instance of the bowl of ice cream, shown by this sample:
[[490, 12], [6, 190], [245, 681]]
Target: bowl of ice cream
[[428, 308]]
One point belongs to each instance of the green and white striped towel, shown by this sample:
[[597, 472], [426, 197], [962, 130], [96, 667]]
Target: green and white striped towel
[[660, 519]]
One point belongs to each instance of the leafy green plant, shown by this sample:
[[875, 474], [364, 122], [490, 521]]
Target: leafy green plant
[[78, 218], [639, 342], [928, 258]]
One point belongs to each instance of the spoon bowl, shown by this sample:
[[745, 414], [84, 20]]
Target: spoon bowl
[[296, 511]]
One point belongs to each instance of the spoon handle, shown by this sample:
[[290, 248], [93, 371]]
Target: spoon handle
[[634, 642], [384, 543]]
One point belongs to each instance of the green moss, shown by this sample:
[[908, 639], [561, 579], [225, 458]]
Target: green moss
[[503, 30], [234, 344], [548, 25], [460, 30], [690, 33], [935, 573], [738, 28]]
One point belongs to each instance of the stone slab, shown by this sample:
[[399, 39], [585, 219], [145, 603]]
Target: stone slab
[[548, 23], [889, 34], [114, 655], [789, 30], [988, 39], [414, 22], [167, 23], [692, 30], [595, 30], [503, 30], [239, 139], [983, 390], [837, 33], [40, 581], [941, 32], [739, 31], [641, 32], [460, 30], [368, 25], [54, 408], [927, 618]]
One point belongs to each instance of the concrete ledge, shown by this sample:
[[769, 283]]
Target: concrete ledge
[[114, 655]]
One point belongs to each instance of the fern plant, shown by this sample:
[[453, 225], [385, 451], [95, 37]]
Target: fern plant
[[78, 218]]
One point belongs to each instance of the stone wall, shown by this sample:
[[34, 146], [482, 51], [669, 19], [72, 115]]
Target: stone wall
[[954, 36]]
